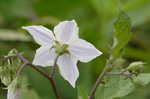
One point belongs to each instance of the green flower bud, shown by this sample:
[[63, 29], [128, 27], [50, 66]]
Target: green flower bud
[[6, 80], [136, 66], [13, 51], [9, 69], [7, 74]]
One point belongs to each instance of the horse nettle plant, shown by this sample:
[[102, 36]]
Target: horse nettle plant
[[63, 48]]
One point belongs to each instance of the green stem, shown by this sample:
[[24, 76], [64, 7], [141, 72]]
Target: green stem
[[99, 80], [54, 67]]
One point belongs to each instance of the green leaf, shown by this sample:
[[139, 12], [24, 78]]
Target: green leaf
[[142, 79], [115, 86], [82, 94], [29, 94], [138, 10], [122, 33], [134, 66]]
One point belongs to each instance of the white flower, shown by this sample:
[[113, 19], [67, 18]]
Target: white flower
[[66, 43]]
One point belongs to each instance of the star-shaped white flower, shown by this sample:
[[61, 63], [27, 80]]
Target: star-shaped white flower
[[66, 43]]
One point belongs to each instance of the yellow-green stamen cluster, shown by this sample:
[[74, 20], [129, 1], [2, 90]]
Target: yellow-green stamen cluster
[[60, 48]]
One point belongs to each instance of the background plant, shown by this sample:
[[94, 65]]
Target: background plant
[[95, 19]]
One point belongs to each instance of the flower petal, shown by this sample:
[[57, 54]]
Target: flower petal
[[45, 56], [41, 35], [68, 68], [83, 50], [66, 31]]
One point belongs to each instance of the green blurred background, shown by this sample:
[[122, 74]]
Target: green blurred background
[[95, 19]]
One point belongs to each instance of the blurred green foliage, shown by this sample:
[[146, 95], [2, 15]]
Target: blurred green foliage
[[95, 19]]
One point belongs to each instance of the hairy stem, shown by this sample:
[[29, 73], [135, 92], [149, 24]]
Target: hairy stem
[[97, 83], [99, 79], [108, 67], [21, 69], [127, 75], [26, 62]]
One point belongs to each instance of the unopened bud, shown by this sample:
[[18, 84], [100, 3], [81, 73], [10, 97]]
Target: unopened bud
[[6, 80], [8, 70], [7, 74], [136, 66], [13, 51]]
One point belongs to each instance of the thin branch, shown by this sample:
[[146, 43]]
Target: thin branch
[[127, 75], [113, 73], [97, 83], [108, 66], [117, 73], [49, 78], [21, 68], [101, 76], [26, 62], [122, 73]]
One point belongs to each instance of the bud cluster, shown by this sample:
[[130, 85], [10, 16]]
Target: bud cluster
[[136, 67], [8, 69], [10, 78]]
